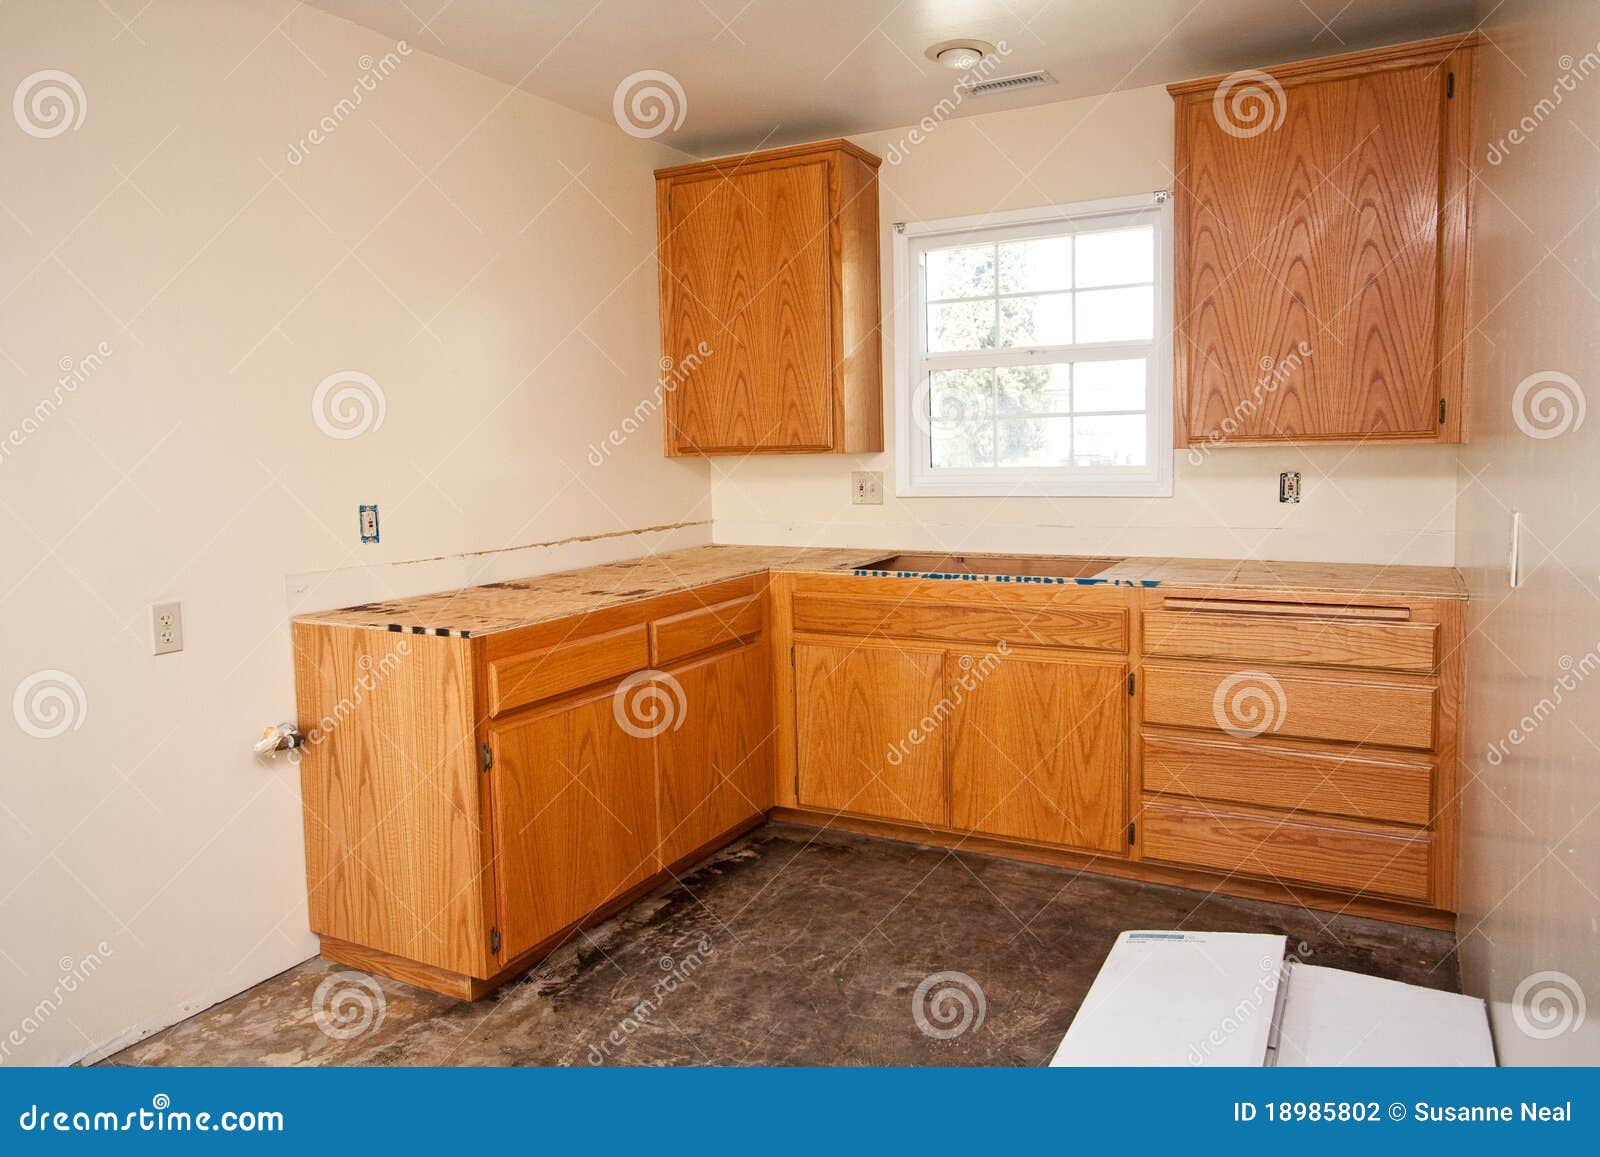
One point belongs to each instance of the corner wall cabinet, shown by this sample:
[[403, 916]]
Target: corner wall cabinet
[[1322, 211], [769, 302]]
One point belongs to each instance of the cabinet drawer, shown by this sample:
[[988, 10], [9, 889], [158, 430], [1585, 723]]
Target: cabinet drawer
[[518, 680], [700, 630], [1018, 624], [1264, 637], [1250, 703], [1341, 783], [1390, 863]]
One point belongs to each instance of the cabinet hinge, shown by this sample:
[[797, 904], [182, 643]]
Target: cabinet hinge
[[791, 655], [1441, 411], [485, 757], [494, 940], [1130, 682], [1449, 86], [1130, 833]]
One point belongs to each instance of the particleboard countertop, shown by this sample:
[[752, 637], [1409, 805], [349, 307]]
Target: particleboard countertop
[[505, 606]]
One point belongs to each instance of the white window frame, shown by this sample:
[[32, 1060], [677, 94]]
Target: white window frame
[[914, 475]]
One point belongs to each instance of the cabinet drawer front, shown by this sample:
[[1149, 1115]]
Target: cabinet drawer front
[[1263, 637], [1323, 855], [519, 680], [1249, 703], [1342, 783], [1021, 625], [700, 630]]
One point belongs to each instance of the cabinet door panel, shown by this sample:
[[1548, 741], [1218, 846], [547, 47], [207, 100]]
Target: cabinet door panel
[[1039, 750], [1312, 256], [574, 804], [747, 263], [715, 768], [866, 744]]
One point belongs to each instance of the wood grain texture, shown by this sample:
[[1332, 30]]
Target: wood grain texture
[[1348, 709], [858, 709], [1039, 749], [1331, 781], [574, 807], [390, 794], [1361, 859], [1249, 635], [859, 393], [518, 680], [681, 635], [714, 768], [1314, 259], [1103, 628], [748, 273]]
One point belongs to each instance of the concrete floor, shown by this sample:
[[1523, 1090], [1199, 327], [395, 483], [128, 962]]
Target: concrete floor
[[790, 947]]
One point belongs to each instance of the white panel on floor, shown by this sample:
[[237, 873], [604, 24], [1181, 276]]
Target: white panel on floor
[[1344, 1019]]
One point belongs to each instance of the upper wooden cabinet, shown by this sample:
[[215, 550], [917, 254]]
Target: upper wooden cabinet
[[1321, 230], [769, 302]]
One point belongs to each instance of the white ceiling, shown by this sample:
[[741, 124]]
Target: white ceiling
[[759, 73]]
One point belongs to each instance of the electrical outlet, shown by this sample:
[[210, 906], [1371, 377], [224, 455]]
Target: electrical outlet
[[1289, 486], [166, 628], [369, 522], [866, 487]]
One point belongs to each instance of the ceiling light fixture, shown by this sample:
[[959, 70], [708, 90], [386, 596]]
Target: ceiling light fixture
[[959, 55]]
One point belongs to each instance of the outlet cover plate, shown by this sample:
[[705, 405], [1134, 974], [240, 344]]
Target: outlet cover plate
[[1289, 486], [166, 628]]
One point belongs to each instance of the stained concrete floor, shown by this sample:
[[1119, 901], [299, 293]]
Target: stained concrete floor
[[790, 947]]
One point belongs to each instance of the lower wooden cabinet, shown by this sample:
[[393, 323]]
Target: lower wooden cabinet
[[1039, 749], [574, 816], [714, 769], [865, 712]]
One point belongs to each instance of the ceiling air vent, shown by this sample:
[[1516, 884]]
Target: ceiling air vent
[[1012, 83]]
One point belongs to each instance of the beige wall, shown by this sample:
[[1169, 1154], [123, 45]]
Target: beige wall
[[485, 256], [1531, 879], [1361, 504]]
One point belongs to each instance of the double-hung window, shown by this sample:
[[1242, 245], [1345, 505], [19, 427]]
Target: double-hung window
[[1033, 352]]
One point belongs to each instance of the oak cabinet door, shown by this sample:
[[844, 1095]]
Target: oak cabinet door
[[1315, 256], [574, 816], [748, 293], [869, 742], [1039, 749], [714, 759]]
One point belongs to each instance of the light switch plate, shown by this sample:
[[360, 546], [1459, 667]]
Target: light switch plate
[[166, 628], [866, 487]]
